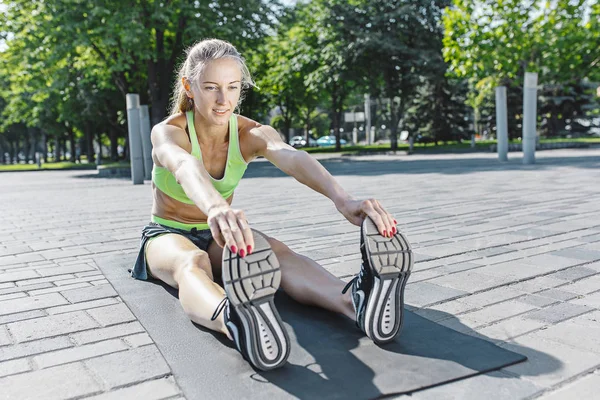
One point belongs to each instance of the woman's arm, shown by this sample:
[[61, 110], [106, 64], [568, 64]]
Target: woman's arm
[[308, 171]]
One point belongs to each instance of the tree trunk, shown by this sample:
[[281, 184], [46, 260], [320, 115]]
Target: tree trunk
[[89, 141], [45, 146], [56, 149], [114, 152], [72, 144]]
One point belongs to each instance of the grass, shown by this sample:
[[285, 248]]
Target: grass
[[348, 149]]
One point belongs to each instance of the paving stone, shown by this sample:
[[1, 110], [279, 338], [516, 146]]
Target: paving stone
[[574, 334], [31, 303], [553, 261], [557, 313], [30, 348], [21, 316], [110, 332], [82, 306], [12, 296], [584, 286], [6, 285], [127, 367], [578, 254], [536, 284], [49, 384], [53, 279], [538, 301], [91, 293], [513, 270], [58, 289], [19, 289], [78, 353], [423, 293], [469, 281], [52, 325], [4, 336], [590, 300], [90, 278], [14, 367], [141, 339], [557, 294], [19, 259], [548, 362], [65, 270], [584, 388], [493, 296], [16, 276], [574, 273], [510, 328], [151, 390], [111, 315], [496, 312]]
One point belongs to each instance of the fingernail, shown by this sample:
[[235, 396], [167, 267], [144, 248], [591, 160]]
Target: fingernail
[[395, 222], [242, 253], [384, 233], [249, 249], [233, 249], [394, 230]]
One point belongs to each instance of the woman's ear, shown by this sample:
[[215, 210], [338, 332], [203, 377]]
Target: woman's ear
[[186, 84]]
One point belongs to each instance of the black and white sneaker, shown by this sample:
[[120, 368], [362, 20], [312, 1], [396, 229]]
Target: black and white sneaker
[[378, 289], [251, 317]]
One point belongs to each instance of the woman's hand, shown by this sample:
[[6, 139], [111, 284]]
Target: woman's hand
[[356, 211], [230, 228]]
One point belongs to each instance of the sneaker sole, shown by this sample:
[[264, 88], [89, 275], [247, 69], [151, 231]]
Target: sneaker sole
[[250, 284], [391, 261]]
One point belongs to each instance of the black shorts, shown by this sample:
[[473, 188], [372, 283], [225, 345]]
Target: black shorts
[[201, 238]]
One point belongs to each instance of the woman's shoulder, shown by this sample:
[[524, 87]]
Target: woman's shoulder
[[246, 124], [178, 120]]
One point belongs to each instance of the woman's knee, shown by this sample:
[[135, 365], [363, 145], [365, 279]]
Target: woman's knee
[[194, 262]]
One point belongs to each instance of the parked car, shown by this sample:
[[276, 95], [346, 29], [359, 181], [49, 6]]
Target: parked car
[[328, 141], [300, 141]]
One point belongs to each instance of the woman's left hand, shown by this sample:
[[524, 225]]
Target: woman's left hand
[[356, 211]]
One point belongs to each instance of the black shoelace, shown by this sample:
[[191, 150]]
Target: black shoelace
[[358, 279], [219, 309]]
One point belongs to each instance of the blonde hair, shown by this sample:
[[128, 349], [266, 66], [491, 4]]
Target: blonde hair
[[196, 59]]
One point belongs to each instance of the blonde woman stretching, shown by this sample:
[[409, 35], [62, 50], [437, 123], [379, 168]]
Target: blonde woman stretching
[[200, 154]]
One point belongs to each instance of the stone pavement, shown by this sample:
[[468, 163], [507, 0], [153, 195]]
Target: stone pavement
[[506, 252]]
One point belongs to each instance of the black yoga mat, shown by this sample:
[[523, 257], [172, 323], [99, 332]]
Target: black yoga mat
[[330, 357]]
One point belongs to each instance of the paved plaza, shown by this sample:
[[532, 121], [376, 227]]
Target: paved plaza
[[504, 251]]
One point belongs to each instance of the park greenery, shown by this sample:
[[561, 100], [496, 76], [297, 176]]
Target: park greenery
[[430, 68]]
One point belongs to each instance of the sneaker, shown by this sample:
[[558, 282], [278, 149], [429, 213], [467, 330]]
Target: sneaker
[[378, 289], [251, 316]]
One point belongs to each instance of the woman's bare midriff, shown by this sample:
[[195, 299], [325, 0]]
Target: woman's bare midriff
[[166, 207]]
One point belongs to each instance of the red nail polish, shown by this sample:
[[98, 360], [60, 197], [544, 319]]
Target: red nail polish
[[395, 222], [249, 249], [233, 249], [394, 231], [242, 253], [384, 233]]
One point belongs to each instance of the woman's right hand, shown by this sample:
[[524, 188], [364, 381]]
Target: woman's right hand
[[230, 228]]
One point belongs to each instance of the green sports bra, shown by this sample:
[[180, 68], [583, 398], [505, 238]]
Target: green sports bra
[[234, 169]]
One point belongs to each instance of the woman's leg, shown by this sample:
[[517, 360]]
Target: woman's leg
[[176, 261], [303, 279]]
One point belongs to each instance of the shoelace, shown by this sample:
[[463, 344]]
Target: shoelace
[[358, 279], [219, 309]]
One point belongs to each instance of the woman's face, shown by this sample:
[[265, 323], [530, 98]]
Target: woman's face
[[217, 91]]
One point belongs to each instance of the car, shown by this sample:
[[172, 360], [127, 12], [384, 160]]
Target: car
[[300, 141], [328, 141]]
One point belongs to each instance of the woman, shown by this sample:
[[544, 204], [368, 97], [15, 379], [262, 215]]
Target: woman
[[200, 154]]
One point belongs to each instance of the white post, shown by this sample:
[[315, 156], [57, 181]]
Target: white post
[[146, 142], [501, 123], [529, 117], [368, 118], [355, 135], [135, 142]]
